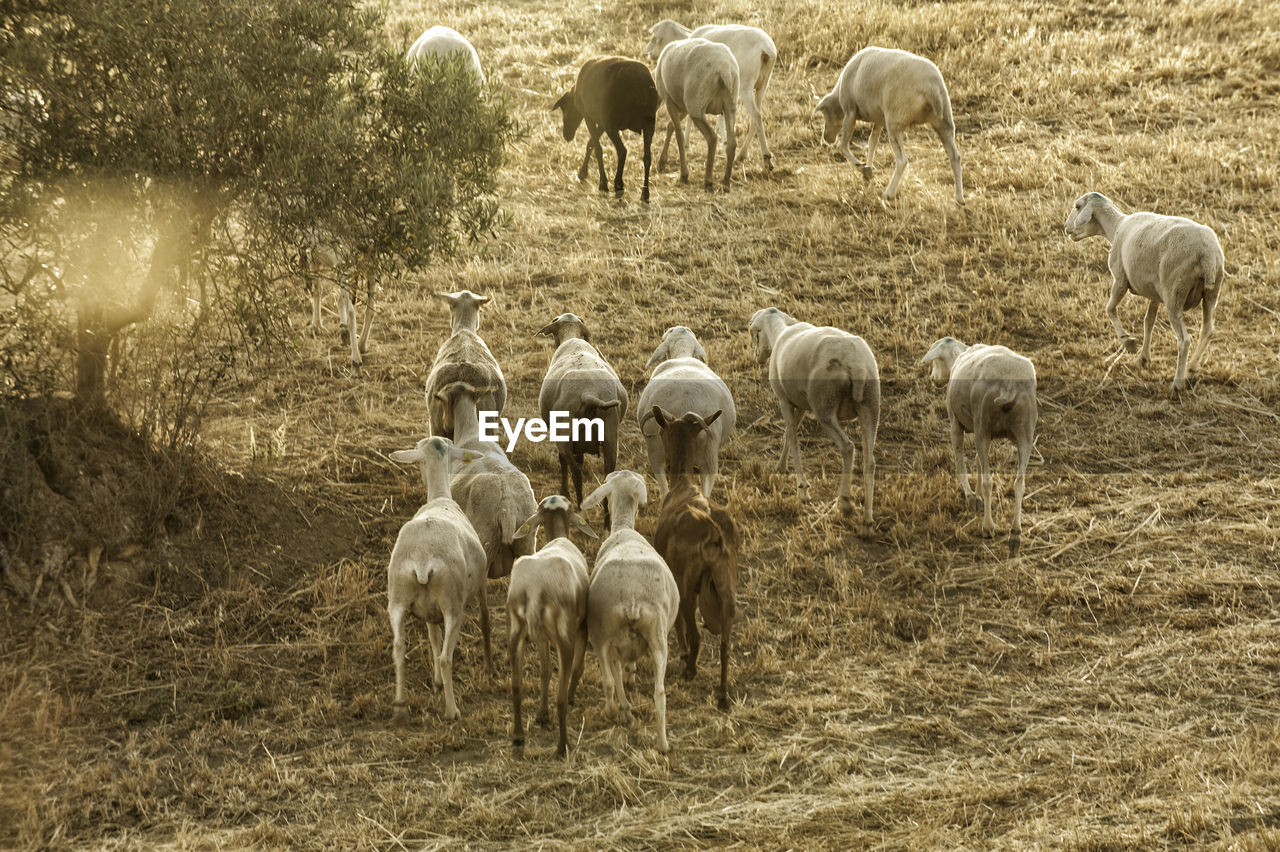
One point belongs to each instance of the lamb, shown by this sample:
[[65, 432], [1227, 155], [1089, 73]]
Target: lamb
[[893, 90], [436, 566], [682, 381], [611, 94], [320, 263], [991, 392], [1170, 260], [547, 604], [632, 601], [581, 382], [443, 41], [698, 78], [755, 54], [830, 373], [494, 493], [699, 541], [463, 357]]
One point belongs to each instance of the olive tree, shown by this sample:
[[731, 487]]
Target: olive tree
[[164, 163]]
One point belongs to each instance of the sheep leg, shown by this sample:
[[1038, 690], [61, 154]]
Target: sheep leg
[[605, 651], [567, 653], [869, 419], [400, 713], [595, 140], [692, 639], [900, 161], [368, 317], [982, 440], [436, 641], [658, 462], [579, 655], [564, 475], [621, 705], [962, 467], [831, 425], [1019, 486], [791, 441], [666, 143], [677, 126], [620, 150], [1184, 345], [710, 468], [658, 648], [586, 161], [1119, 287], [482, 598], [726, 625], [948, 137], [1148, 323], [751, 101], [872, 141], [518, 629], [315, 284], [709, 133], [730, 145], [452, 625], [544, 678], [846, 133], [1206, 330], [648, 150]]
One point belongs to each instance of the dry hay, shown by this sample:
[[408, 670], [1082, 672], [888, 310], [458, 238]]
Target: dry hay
[[1114, 686]]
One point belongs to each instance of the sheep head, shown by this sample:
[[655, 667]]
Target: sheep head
[[570, 113], [679, 436], [565, 327], [833, 115], [677, 342], [1082, 221], [943, 354]]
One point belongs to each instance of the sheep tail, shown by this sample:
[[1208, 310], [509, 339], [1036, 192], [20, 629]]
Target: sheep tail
[[1006, 398], [593, 401], [508, 523], [424, 570]]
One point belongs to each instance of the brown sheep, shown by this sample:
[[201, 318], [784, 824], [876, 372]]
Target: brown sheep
[[699, 542], [612, 94]]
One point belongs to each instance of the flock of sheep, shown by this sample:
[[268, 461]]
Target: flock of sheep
[[481, 517]]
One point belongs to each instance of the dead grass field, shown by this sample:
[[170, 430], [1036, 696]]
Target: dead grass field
[[1116, 685]]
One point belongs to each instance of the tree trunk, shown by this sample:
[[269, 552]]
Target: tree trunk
[[92, 342]]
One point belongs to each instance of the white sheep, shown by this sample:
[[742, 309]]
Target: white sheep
[[991, 392], [320, 265], [1170, 260], [697, 78], [436, 566], [581, 382], [893, 90], [495, 495], [632, 602], [682, 382], [443, 41], [755, 54], [547, 604], [463, 357], [830, 373]]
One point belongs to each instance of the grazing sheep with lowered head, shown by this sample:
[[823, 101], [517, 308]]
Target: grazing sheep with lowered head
[[463, 357], [991, 392], [893, 90], [1170, 260], [755, 55], [611, 94], [442, 41], [698, 78], [830, 373]]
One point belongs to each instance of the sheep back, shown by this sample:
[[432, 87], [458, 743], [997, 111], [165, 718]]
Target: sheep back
[[998, 382], [616, 93], [885, 85], [1150, 248]]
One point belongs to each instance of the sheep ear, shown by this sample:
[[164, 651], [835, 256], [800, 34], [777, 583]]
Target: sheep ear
[[560, 104], [659, 355], [713, 418], [596, 497], [406, 456], [663, 418], [933, 354], [468, 456], [549, 330], [581, 526], [529, 527]]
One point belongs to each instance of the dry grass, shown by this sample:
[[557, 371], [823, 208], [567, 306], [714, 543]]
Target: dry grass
[[1114, 686]]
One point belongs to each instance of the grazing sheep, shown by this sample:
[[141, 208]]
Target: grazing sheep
[[319, 265], [463, 357], [611, 94], [991, 392], [443, 41], [698, 78], [1170, 260], [699, 541], [755, 54], [547, 603], [436, 566], [581, 382], [495, 495], [632, 602], [830, 373], [682, 381], [893, 90]]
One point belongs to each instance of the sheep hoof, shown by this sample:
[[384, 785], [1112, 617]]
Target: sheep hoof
[[722, 702], [867, 172], [644, 195], [768, 162], [975, 503], [452, 714], [989, 532], [709, 186], [562, 751], [960, 200], [1015, 543], [400, 714], [846, 506], [690, 671], [1130, 344], [604, 186], [542, 719], [684, 178], [582, 176]]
